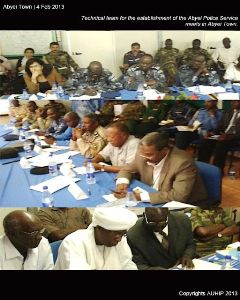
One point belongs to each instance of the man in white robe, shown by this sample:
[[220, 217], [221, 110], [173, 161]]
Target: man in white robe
[[102, 246]]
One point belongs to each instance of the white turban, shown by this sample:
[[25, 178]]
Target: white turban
[[114, 218]]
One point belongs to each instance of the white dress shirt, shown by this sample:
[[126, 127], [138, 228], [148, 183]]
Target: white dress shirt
[[121, 156], [159, 236], [232, 73], [79, 251], [226, 55], [157, 169], [39, 258]]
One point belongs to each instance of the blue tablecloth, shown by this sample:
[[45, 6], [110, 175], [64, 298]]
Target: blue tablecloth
[[15, 191], [15, 183]]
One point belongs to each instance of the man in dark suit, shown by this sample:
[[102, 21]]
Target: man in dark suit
[[171, 171], [161, 240], [229, 130]]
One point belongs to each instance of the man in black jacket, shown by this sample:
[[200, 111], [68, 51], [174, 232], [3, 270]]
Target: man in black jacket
[[161, 240]]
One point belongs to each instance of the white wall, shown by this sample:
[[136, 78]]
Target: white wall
[[110, 46]]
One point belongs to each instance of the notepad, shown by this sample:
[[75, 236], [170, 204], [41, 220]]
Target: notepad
[[54, 184], [196, 125]]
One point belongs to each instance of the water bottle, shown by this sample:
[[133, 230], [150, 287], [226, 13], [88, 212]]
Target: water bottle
[[140, 89], [197, 91], [228, 263], [54, 89], [130, 198], [22, 136], [52, 166], [25, 95], [60, 91], [47, 198], [25, 126], [90, 177], [27, 148], [232, 173], [228, 86], [37, 141]]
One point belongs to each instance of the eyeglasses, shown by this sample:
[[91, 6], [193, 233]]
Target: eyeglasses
[[34, 233], [150, 223]]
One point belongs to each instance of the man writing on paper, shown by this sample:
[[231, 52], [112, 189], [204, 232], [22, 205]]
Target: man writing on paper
[[170, 171], [160, 239], [120, 150], [102, 246]]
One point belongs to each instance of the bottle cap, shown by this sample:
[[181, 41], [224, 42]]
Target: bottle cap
[[130, 190], [228, 257], [45, 187]]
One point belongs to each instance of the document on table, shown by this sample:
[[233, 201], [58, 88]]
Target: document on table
[[228, 96], [177, 205], [82, 170], [86, 97], [200, 264], [77, 192], [206, 90], [196, 125], [54, 184]]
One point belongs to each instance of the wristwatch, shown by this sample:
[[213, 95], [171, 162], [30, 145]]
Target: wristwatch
[[219, 235]]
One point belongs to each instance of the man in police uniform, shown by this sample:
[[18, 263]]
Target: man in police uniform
[[167, 59], [61, 60], [91, 138], [96, 79], [132, 57], [197, 73], [147, 73]]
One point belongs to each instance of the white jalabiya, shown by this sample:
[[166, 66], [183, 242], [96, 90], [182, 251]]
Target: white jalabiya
[[79, 251]]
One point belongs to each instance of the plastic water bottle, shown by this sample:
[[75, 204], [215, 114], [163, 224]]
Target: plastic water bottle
[[130, 198], [197, 91], [25, 125], [25, 95], [228, 86], [27, 148], [37, 141], [232, 173], [90, 177], [52, 166], [22, 136], [60, 91], [228, 263], [47, 198], [54, 89], [140, 89]]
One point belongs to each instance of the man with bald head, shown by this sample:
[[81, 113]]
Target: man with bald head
[[23, 247], [120, 150], [96, 79], [146, 72], [161, 240]]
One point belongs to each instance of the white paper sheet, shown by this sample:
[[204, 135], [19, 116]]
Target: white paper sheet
[[203, 265], [54, 184], [152, 94], [82, 170], [77, 192], [206, 90], [177, 205], [228, 96], [86, 97]]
